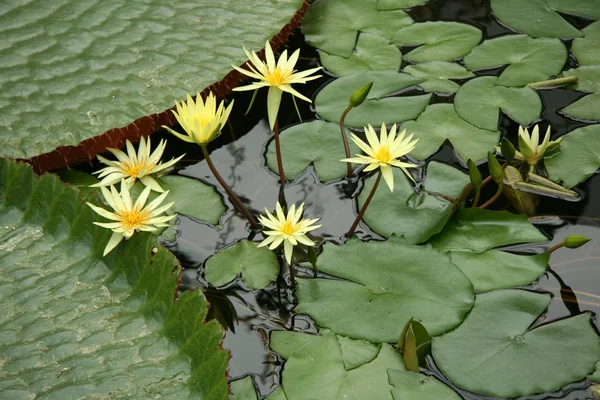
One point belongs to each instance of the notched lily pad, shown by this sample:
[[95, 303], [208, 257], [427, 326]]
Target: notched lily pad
[[587, 48], [585, 109], [438, 75], [409, 385]]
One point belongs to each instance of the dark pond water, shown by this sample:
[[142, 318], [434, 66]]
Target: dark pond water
[[239, 155]]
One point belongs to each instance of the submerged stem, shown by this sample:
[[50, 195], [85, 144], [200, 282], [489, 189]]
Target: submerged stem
[[494, 197], [364, 207], [234, 198], [278, 151], [345, 139]]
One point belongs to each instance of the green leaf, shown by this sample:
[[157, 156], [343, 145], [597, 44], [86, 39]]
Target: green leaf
[[579, 156], [108, 326], [539, 18], [373, 53], [193, 198], [79, 179], [529, 60], [440, 122], [508, 359], [403, 212], [585, 49], [396, 4], [316, 142], [277, 394], [441, 41], [438, 75], [357, 352], [477, 230], [332, 25], [377, 109], [379, 294], [589, 78], [258, 265], [101, 66], [408, 385], [585, 109], [596, 375], [242, 389], [479, 103], [495, 269]]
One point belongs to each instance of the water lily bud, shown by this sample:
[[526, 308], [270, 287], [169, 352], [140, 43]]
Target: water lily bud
[[495, 169], [359, 95], [527, 152], [474, 174], [507, 149], [575, 241]]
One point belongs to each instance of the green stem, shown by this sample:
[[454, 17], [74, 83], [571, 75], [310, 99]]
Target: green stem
[[345, 139], [469, 188], [556, 247], [364, 207], [554, 82], [292, 278], [494, 197], [234, 198], [278, 151], [477, 194]]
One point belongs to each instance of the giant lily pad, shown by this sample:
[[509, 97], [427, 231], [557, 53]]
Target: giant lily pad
[[440, 122], [529, 60], [377, 109], [441, 41], [403, 213], [78, 73], [494, 352], [479, 101], [316, 142], [438, 75], [385, 284], [373, 53], [579, 156], [76, 325], [540, 18], [586, 48], [408, 385], [332, 25]]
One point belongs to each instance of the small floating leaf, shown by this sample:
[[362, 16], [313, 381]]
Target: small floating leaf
[[438, 75], [409, 385], [586, 48], [585, 109]]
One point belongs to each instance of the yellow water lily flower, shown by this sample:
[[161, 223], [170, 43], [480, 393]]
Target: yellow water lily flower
[[129, 217], [278, 76], [530, 148], [131, 166], [288, 229], [201, 120], [382, 152]]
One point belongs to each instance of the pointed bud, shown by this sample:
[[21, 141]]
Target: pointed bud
[[359, 95], [528, 152], [575, 241], [474, 174], [495, 169], [507, 149]]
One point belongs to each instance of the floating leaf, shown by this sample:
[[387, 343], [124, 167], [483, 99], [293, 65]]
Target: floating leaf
[[373, 53], [579, 156], [585, 109], [79, 179], [396, 4], [586, 48], [540, 18], [441, 41], [438, 75], [588, 78], [506, 358], [440, 122], [379, 294], [316, 142], [479, 103], [78, 74], [357, 352], [332, 25], [76, 325], [258, 265], [403, 213], [277, 394], [242, 389], [408, 385], [596, 375], [333, 99], [529, 60]]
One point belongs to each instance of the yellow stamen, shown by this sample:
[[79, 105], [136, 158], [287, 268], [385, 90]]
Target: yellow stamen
[[133, 219], [288, 228], [383, 155], [203, 120], [132, 169], [277, 76]]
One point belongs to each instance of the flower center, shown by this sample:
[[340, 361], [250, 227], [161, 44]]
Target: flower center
[[203, 120], [133, 219], [277, 76], [132, 169], [287, 228], [383, 155]]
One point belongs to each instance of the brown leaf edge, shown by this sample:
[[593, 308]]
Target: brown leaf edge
[[85, 151]]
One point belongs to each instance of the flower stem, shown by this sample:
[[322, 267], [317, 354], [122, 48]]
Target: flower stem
[[477, 194], [234, 198], [554, 82], [364, 207], [469, 188], [345, 139], [278, 151], [292, 277], [494, 197], [556, 247]]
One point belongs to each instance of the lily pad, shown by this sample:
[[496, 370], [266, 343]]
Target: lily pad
[[409, 385], [438, 75], [242, 389], [316, 142], [506, 358], [589, 78], [540, 18], [76, 325], [258, 265], [403, 213], [479, 102], [529, 60], [586, 49], [397, 4], [579, 156], [441, 41], [79, 73], [385, 284], [440, 122], [333, 99], [373, 53], [332, 25], [585, 109]]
